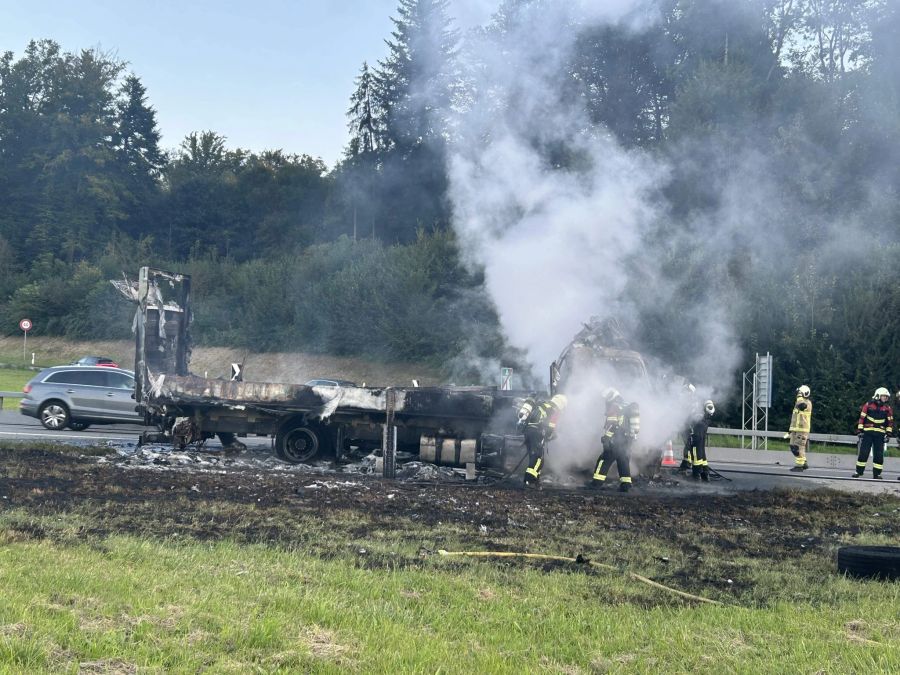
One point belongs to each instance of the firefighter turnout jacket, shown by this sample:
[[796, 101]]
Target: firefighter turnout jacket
[[801, 417], [876, 417], [623, 421], [543, 416]]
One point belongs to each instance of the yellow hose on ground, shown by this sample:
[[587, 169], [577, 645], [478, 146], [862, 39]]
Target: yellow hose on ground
[[580, 560]]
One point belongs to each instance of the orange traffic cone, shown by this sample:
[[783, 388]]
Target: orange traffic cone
[[668, 455]]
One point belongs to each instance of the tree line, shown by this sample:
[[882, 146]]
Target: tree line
[[360, 258]]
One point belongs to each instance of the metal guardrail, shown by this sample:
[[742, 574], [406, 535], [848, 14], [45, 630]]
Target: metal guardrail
[[9, 394], [834, 439]]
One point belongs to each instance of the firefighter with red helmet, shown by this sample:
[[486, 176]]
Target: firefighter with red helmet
[[537, 421], [619, 431], [874, 428]]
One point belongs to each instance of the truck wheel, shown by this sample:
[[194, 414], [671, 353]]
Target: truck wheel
[[299, 442], [54, 415], [876, 562]]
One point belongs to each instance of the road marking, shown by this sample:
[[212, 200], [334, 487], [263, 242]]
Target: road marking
[[80, 437]]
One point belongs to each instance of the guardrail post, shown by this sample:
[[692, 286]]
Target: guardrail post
[[389, 437]]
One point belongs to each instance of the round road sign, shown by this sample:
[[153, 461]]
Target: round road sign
[[25, 324]]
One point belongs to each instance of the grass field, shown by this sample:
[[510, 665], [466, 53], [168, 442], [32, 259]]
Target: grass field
[[717, 441], [13, 379], [107, 571], [123, 604]]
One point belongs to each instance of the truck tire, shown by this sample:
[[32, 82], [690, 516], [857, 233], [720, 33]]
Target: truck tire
[[869, 562], [298, 442]]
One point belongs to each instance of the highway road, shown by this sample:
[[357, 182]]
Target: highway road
[[744, 469], [15, 426], [18, 427], [766, 469]]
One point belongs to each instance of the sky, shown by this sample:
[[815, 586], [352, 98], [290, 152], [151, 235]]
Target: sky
[[267, 74]]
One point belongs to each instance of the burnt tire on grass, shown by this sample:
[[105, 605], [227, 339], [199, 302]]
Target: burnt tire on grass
[[298, 442], [869, 562]]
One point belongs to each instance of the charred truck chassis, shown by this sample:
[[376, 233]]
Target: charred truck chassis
[[444, 425]]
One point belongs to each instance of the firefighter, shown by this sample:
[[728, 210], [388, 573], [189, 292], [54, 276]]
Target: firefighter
[[693, 407], [537, 420], [801, 423], [875, 426], [699, 464], [623, 423]]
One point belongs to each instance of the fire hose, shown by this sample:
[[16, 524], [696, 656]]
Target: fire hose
[[581, 560]]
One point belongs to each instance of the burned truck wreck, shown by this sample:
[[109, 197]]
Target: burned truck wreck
[[599, 351], [444, 425]]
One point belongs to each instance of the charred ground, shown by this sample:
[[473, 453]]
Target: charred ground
[[67, 496]]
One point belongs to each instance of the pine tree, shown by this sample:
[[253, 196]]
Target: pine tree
[[418, 79], [416, 85], [137, 135], [363, 113]]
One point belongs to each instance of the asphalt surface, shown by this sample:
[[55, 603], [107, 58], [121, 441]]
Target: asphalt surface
[[767, 469], [18, 427], [738, 469]]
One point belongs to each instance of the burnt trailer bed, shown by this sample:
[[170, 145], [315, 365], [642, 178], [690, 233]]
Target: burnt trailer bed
[[450, 425]]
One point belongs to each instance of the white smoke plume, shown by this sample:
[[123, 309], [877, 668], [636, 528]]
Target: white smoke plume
[[556, 244], [552, 242]]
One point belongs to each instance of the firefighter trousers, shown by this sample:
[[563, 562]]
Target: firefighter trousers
[[798, 442], [534, 445], [874, 441], [699, 465], [618, 453]]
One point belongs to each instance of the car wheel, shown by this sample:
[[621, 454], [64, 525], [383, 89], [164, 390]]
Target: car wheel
[[78, 426], [297, 442], [869, 562], [54, 415]]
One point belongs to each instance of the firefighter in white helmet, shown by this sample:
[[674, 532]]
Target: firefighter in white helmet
[[699, 463], [691, 407], [875, 426], [623, 423], [801, 423], [537, 421]]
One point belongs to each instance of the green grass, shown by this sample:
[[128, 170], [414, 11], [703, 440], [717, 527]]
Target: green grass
[[363, 591], [13, 379], [717, 441], [224, 607]]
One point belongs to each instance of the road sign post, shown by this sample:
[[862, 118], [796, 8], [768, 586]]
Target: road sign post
[[25, 325]]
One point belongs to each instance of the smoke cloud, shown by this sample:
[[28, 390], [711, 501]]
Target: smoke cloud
[[560, 245]]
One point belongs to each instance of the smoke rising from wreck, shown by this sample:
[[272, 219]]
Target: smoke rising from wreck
[[560, 245]]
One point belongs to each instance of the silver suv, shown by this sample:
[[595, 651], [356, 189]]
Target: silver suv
[[78, 396]]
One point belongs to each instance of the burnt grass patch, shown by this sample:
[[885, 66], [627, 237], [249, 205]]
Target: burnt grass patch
[[339, 516]]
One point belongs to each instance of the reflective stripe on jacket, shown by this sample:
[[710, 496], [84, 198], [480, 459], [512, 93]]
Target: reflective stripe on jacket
[[615, 417], [801, 420], [544, 415], [876, 416]]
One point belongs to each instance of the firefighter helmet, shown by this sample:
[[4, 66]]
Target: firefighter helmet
[[881, 391], [611, 394], [709, 407], [560, 401], [803, 390]]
